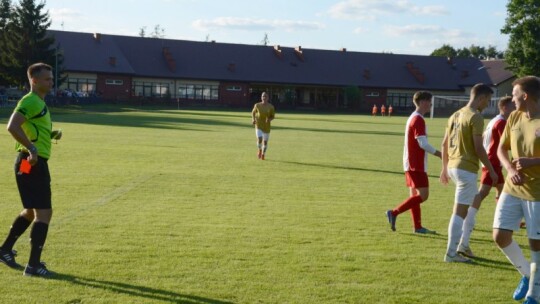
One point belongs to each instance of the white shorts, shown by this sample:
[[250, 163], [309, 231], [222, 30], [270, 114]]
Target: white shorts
[[466, 188], [259, 133], [511, 209]]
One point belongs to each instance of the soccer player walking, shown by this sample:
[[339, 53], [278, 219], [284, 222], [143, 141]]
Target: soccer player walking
[[263, 113], [462, 147], [415, 164], [31, 127], [521, 193], [374, 110], [491, 137]]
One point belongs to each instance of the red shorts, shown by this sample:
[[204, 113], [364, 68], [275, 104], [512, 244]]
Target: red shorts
[[416, 179], [485, 179]]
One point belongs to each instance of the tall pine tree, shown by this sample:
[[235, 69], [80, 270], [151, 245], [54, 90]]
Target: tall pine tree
[[5, 16], [26, 41]]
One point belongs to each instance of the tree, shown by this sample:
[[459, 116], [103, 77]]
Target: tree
[[265, 40], [475, 51], [445, 51], [25, 41], [5, 15], [523, 26], [158, 32], [142, 32]]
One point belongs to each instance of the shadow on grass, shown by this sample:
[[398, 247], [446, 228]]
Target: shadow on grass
[[136, 291], [477, 261], [342, 167], [132, 119], [184, 121]]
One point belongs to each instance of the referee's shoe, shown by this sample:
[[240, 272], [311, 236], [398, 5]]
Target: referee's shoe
[[8, 258], [39, 271]]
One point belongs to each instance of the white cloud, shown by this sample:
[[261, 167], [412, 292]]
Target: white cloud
[[62, 14], [360, 30], [251, 24], [413, 29], [371, 9]]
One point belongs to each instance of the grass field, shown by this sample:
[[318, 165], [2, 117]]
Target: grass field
[[167, 206]]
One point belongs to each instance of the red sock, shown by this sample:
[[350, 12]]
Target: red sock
[[407, 204], [416, 215]]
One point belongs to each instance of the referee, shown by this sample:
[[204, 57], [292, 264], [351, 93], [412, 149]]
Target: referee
[[30, 125]]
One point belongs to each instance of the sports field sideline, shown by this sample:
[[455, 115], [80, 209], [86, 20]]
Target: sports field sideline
[[173, 206]]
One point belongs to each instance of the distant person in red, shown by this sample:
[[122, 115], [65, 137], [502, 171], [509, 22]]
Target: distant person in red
[[374, 110], [415, 164], [390, 110], [383, 110], [491, 138]]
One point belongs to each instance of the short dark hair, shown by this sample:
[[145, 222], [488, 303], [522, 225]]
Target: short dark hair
[[421, 95], [503, 101], [36, 68], [481, 89], [529, 85]]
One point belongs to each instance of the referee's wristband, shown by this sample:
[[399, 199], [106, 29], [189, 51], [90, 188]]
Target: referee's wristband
[[32, 149]]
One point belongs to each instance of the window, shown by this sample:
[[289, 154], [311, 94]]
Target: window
[[198, 91], [151, 89], [402, 100], [82, 85], [114, 82], [234, 88]]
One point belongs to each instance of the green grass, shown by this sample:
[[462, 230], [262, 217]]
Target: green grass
[[168, 206]]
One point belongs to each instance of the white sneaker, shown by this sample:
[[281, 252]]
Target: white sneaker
[[456, 259], [466, 251]]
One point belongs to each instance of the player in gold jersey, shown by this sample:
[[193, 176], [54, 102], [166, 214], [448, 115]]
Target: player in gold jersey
[[521, 193], [263, 113], [462, 148]]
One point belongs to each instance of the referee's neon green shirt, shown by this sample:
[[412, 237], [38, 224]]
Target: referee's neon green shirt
[[38, 125]]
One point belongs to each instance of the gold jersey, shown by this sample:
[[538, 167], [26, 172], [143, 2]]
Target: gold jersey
[[461, 128], [522, 135], [263, 113]]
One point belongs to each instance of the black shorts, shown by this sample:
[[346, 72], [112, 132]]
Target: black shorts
[[34, 187]]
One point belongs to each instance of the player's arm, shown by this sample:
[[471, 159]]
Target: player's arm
[[482, 156], [254, 115], [512, 172], [424, 144], [444, 156], [526, 162], [14, 127]]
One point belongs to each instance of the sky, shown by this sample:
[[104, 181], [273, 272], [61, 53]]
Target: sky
[[392, 26]]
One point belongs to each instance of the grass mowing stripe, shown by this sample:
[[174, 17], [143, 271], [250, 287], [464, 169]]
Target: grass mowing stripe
[[107, 198]]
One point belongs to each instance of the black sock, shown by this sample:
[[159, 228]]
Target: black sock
[[38, 235], [18, 227]]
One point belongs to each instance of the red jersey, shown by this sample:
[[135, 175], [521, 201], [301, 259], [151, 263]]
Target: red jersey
[[492, 137], [414, 157]]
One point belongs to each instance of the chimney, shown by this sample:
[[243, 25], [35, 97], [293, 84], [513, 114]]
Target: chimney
[[278, 52], [299, 53], [97, 37], [171, 63], [367, 74], [112, 61], [464, 74], [343, 50], [420, 77]]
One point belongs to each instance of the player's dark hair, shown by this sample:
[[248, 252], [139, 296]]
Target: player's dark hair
[[503, 101], [421, 95], [36, 68], [480, 89], [529, 85]]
